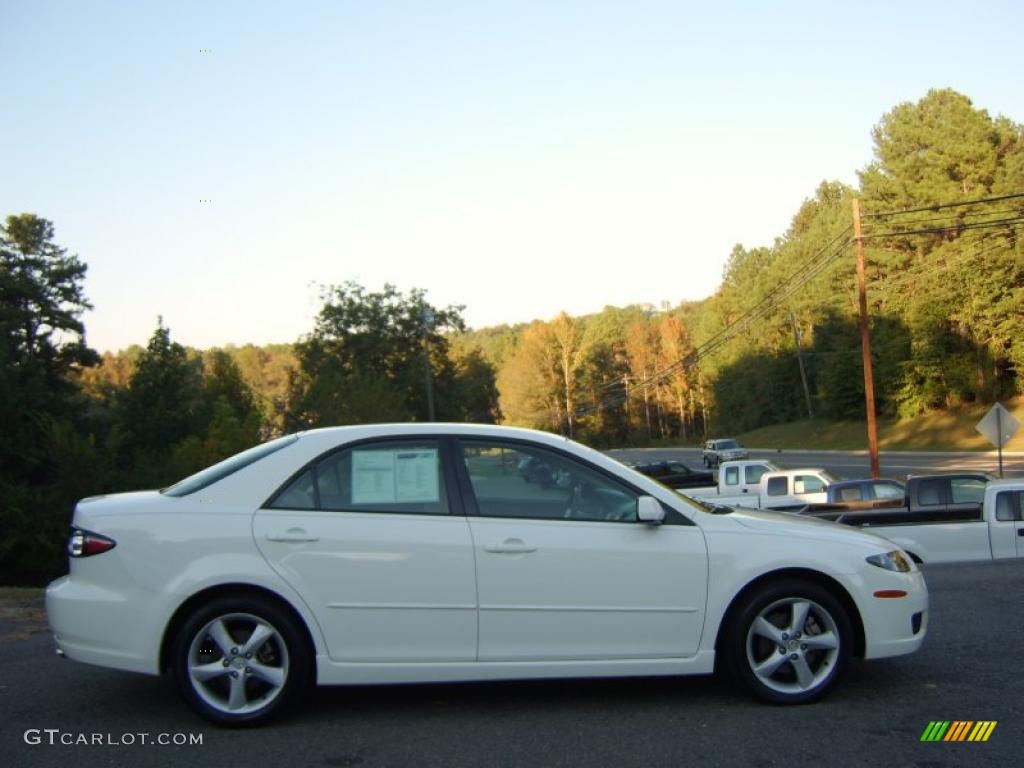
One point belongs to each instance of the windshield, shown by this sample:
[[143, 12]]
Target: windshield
[[229, 466], [723, 444], [828, 477]]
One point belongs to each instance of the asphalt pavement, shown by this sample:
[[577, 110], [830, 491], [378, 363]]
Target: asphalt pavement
[[968, 669]]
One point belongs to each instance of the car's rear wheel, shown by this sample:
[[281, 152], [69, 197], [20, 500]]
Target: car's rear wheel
[[789, 643], [237, 661]]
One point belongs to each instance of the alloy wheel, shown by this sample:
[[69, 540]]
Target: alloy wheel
[[238, 663], [793, 646]]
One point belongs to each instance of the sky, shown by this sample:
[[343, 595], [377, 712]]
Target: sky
[[214, 163]]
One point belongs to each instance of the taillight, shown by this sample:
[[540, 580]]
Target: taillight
[[87, 544]]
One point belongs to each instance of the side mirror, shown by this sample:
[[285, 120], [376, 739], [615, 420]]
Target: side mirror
[[649, 510]]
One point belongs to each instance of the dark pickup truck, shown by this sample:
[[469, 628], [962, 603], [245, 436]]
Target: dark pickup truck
[[675, 474], [945, 498], [940, 519]]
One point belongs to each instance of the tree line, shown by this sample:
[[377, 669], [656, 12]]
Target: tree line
[[946, 294]]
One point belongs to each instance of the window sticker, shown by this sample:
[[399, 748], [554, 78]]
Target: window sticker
[[403, 474]]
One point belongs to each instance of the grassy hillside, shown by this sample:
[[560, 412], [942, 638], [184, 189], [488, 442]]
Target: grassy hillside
[[939, 431]]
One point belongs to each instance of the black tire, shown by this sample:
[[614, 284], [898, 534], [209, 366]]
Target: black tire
[[804, 672], [276, 669]]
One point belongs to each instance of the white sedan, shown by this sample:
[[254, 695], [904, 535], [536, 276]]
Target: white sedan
[[420, 553]]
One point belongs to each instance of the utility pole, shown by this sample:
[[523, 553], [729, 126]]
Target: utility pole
[[625, 390], [865, 343], [800, 360]]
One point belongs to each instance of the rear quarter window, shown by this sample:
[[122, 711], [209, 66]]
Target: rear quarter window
[[229, 466]]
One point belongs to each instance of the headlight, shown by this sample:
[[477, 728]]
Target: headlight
[[892, 561]]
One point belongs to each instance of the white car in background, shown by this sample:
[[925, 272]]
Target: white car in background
[[420, 553]]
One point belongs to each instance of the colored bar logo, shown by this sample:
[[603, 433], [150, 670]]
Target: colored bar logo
[[958, 730]]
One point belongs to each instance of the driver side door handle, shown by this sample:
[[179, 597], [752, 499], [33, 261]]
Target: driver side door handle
[[292, 535], [510, 547]]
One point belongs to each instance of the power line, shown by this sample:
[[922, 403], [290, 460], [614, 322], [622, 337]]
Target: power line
[[945, 217], [928, 269], [784, 291], [809, 270], [961, 227], [942, 206], [755, 310], [777, 296]]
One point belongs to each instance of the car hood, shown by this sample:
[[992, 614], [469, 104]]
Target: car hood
[[785, 524]]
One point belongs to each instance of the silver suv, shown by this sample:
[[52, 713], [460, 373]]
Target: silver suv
[[717, 451]]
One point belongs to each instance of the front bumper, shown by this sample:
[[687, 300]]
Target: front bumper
[[894, 626]]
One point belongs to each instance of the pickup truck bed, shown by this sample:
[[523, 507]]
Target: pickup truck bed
[[894, 515], [947, 520]]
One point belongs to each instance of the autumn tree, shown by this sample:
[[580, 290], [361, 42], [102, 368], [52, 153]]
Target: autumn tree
[[674, 355], [529, 383]]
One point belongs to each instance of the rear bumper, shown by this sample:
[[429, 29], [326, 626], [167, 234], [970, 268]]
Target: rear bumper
[[95, 626]]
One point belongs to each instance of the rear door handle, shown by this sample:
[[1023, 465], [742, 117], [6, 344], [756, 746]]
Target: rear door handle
[[510, 547], [292, 535]]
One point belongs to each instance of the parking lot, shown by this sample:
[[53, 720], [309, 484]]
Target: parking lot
[[969, 669]]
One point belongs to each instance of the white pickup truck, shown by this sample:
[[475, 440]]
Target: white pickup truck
[[734, 478], [774, 488], [943, 521]]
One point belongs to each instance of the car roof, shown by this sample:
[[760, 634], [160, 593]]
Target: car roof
[[1007, 482], [357, 431], [976, 473]]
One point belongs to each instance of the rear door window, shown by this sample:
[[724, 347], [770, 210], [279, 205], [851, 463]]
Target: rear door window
[[888, 491], [398, 477], [777, 486], [752, 473], [967, 490], [1009, 506], [930, 492], [851, 493], [808, 484]]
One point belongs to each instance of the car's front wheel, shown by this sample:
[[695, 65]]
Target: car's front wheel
[[789, 642], [237, 661]]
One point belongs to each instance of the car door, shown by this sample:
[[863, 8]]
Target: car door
[[567, 573], [752, 477], [966, 495], [372, 539], [809, 489], [729, 480], [1006, 529]]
